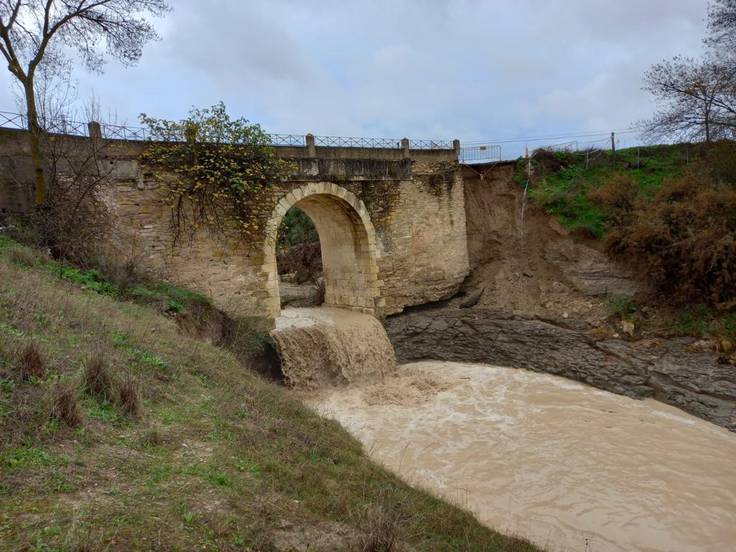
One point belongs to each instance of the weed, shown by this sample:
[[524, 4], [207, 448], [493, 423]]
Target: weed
[[623, 306], [144, 356], [25, 456], [89, 279], [219, 479], [7, 385], [100, 409]]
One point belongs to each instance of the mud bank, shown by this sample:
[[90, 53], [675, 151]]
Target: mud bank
[[660, 368], [565, 465]]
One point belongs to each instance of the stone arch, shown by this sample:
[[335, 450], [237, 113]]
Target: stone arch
[[348, 241]]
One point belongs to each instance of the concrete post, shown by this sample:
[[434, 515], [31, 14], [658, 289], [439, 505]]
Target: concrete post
[[95, 130], [405, 147], [311, 146], [456, 147]]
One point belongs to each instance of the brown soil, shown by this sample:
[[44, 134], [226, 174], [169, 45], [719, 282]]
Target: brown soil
[[524, 262]]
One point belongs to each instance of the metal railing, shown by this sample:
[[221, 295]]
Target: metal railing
[[481, 153], [63, 125]]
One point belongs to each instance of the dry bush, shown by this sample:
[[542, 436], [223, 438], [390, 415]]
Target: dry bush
[[96, 379], [31, 363], [304, 260], [684, 240], [65, 404], [123, 274], [617, 198], [129, 398]]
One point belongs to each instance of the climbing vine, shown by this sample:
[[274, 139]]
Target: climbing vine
[[215, 169]]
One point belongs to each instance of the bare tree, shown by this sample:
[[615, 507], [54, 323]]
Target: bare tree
[[722, 27], [697, 100], [35, 34]]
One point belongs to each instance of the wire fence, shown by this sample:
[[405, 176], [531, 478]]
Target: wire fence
[[62, 125]]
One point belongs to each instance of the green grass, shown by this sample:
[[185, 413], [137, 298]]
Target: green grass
[[219, 460], [564, 193]]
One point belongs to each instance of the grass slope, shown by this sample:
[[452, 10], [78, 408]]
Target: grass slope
[[217, 459], [564, 192]]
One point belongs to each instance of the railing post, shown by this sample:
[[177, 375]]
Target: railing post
[[405, 147], [95, 130], [456, 147], [311, 146]]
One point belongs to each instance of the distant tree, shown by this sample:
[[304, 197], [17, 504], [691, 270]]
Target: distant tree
[[36, 34], [722, 27], [697, 100]]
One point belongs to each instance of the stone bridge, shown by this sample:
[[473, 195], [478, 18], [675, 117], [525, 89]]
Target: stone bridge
[[391, 224]]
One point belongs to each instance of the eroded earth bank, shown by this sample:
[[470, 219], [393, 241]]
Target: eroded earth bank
[[537, 298]]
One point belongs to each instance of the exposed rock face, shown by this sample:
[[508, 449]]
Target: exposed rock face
[[659, 368]]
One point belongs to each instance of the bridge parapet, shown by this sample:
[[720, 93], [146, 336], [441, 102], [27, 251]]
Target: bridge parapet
[[394, 225]]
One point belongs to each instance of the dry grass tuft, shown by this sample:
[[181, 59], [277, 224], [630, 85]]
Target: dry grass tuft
[[381, 529], [152, 438], [23, 257], [31, 363], [65, 404], [129, 398], [96, 379]]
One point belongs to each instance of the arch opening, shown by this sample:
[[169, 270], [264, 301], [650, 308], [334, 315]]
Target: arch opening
[[347, 247]]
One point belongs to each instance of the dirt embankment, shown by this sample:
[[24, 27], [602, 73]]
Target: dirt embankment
[[524, 262], [537, 298]]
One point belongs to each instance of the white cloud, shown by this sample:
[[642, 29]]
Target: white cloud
[[424, 68]]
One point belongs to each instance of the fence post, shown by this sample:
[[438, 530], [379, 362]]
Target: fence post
[[311, 146], [95, 130], [456, 147], [613, 148], [405, 147]]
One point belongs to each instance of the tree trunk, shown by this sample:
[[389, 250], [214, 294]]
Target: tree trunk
[[34, 132]]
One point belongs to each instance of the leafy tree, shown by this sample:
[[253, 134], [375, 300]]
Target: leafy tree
[[217, 164], [36, 34]]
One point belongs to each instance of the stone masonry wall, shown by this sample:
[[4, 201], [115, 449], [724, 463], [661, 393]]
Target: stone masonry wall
[[409, 210]]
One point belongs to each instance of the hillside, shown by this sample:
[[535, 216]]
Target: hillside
[[666, 213], [118, 432]]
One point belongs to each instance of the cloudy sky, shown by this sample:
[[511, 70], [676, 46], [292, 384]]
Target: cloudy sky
[[471, 69]]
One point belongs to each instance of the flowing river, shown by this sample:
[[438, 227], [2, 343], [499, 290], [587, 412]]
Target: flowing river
[[565, 465], [562, 464]]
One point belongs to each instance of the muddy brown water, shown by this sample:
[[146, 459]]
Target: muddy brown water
[[565, 465], [326, 346]]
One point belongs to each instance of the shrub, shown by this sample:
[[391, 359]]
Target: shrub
[[617, 198], [31, 363], [684, 240], [65, 404], [96, 379]]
